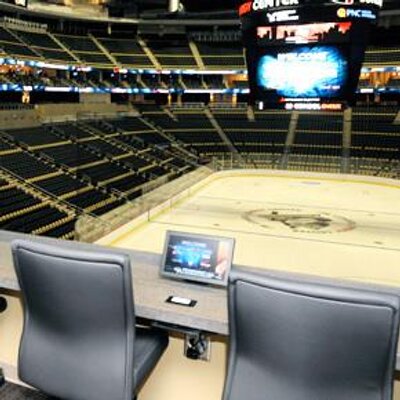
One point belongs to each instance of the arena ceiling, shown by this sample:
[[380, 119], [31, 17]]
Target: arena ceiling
[[156, 9], [217, 5]]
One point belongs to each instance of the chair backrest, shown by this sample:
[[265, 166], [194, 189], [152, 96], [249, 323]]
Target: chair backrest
[[303, 340], [78, 335]]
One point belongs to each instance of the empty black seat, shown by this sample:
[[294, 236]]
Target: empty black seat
[[306, 340], [79, 340]]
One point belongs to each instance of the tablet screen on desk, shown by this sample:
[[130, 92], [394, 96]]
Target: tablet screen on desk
[[200, 258]]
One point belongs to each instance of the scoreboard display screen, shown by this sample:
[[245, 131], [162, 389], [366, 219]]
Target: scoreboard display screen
[[302, 52], [317, 71], [328, 32]]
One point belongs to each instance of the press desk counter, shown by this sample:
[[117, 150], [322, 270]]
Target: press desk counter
[[150, 290], [210, 315]]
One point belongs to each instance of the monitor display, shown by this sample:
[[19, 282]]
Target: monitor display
[[322, 33], [196, 257], [302, 71]]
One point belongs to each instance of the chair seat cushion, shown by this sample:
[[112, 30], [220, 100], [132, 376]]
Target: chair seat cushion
[[149, 346]]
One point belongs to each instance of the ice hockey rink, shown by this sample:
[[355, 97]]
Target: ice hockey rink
[[329, 225], [322, 224], [319, 224]]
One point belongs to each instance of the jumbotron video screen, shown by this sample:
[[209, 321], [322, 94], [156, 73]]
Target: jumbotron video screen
[[303, 72], [306, 54]]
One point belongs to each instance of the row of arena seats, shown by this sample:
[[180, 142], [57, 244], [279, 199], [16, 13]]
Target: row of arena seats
[[316, 134], [375, 136], [172, 51], [96, 166], [23, 212], [39, 80], [91, 166], [318, 140], [195, 128]]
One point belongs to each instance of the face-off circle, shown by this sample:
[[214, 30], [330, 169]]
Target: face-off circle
[[299, 220]]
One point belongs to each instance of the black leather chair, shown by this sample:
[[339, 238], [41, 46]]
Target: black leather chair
[[307, 340], [79, 340]]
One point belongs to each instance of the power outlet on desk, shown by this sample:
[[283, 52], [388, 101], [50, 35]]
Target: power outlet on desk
[[197, 347]]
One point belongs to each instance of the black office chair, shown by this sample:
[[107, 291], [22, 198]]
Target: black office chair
[[79, 340], [302, 340]]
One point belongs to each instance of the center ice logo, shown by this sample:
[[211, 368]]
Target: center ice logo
[[298, 220]]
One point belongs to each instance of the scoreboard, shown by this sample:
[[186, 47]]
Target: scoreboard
[[306, 54], [280, 10]]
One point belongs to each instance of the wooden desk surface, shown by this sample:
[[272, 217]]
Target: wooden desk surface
[[150, 290]]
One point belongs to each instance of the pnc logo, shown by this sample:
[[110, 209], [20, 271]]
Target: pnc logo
[[342, 13], [355, 13]]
